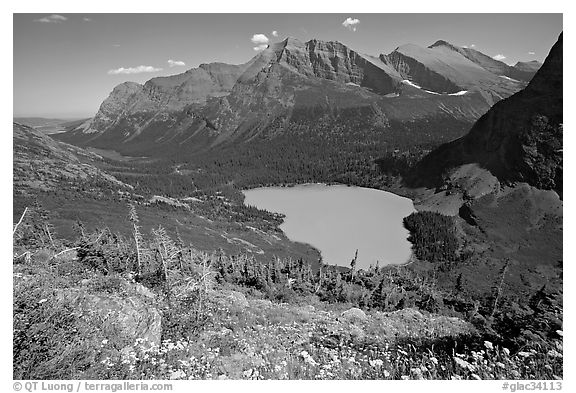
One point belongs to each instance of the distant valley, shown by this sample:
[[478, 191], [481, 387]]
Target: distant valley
[[148, 192]]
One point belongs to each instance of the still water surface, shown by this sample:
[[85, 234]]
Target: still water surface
[[339, 219]]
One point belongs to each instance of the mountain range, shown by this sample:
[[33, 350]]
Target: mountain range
[[518, 139], [293, 82]]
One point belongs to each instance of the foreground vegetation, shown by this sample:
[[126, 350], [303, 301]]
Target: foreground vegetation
[[225, 316]]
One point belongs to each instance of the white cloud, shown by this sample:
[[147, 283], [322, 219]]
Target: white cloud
[[175, 63], [499, 57], [134, 70], [86, 19], [472, 45], [261, 42], [469, 46], [54, 18], [350, 23], [531, 53], [275, 33]]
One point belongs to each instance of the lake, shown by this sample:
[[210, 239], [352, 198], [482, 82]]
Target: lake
[[339, 219]]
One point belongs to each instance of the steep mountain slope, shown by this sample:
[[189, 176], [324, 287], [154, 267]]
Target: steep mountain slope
[[288, 83], [519, 139], [521, 71], [528, 66], [41, 163], [442, 69], [503, 182]]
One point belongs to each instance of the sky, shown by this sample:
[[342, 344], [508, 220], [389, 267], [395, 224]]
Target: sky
[[65, 65]]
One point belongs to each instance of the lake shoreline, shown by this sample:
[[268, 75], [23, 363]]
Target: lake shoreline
[[367, 234]]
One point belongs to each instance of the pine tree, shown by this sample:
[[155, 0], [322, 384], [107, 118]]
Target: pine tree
[[133, 217], [353, 266]]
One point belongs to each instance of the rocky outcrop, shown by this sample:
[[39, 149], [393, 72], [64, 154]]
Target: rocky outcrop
[[354, 314], [123, 317]]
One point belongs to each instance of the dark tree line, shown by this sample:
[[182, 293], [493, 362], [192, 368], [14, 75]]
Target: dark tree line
[[433, 236]]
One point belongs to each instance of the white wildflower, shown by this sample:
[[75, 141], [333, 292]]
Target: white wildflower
[[464, 364], [376, 363]]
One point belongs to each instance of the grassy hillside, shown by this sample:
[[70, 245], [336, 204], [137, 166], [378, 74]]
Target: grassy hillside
[[150, 307]]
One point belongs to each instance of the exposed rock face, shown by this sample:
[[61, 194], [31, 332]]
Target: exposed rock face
[[410, 64], [443, 68], [521, 71], [528, 66], [519, 139]]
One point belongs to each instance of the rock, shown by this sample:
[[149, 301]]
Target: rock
[[237, 298], [141, 290], [354, 314], [122, 318], [356, 333], [408, 313]]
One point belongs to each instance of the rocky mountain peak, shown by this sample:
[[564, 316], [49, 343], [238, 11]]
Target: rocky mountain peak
[[441, 43], [518, 139]]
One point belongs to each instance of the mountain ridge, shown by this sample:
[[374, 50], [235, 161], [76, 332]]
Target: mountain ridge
[[518, 139], [216, 102]]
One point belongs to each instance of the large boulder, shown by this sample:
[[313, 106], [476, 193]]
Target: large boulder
[[353, 315], [123, 316]]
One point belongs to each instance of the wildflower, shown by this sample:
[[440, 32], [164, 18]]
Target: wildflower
[[560, 333], [434, 360], [386, 374], [376, 363], [500, 364], [524, 354], [105, 341], [42, 301], [506, 351], [405, 377], [476, 377], [488, 345], [464, 364], [417, 373], [554, 354]]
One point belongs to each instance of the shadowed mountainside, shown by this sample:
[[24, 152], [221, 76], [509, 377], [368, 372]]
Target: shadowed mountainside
[[519, 139]]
